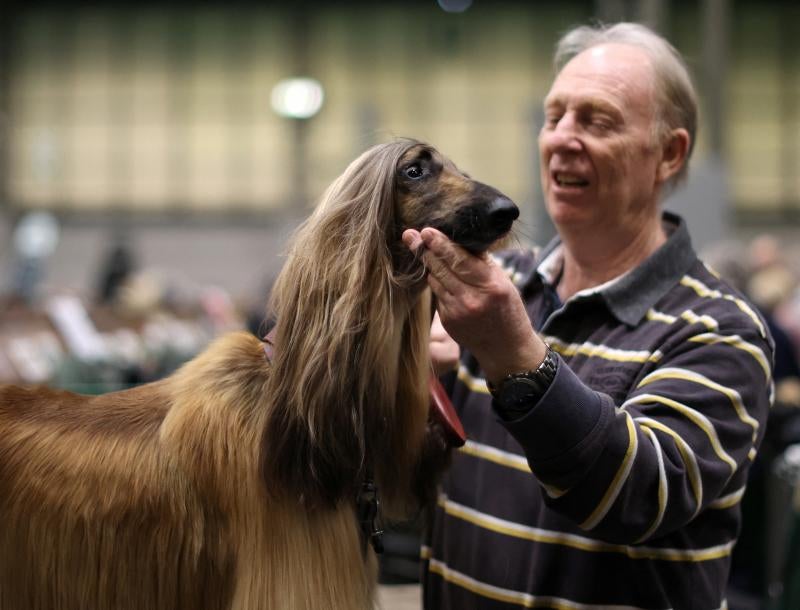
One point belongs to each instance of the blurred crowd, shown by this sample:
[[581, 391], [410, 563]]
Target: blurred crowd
[[767, 271], [137, 325]]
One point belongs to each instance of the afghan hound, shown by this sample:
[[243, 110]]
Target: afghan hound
[[233, 483]]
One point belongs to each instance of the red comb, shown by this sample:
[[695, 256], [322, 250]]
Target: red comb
[[443, 412]]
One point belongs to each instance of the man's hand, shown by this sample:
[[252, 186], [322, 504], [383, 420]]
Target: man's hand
[[479, 306]]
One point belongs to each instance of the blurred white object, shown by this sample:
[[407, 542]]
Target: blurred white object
[[164, 332], [76, 328], [220, 309], [36, 235], [35, 357], [455, 6], [297, 98], [125, 346]]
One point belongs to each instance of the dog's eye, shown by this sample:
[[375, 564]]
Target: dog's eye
[[414, 172]]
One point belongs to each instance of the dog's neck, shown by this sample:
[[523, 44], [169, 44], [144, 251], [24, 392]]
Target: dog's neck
[[367, 498]]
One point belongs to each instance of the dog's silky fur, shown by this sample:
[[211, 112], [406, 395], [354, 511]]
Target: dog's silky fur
[[231, 483]]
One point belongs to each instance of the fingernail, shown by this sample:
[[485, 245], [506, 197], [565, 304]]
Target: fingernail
[[411, 239]]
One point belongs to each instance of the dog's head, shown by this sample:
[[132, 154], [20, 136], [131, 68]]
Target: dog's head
[[349, 376], [432, 192], [399, 185]]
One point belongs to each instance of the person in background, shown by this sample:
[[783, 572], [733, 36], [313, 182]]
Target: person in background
[[613, 389]]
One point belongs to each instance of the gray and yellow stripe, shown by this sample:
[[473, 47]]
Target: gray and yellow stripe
[[687, 315], [663, 487], [687, 456], [613, 490], [672, 373], [605, 352], [574, 541], [697, 418], [704, 291], [510, 596], [508, 459]]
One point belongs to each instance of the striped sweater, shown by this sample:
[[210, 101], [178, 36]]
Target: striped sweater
[[621, 487]]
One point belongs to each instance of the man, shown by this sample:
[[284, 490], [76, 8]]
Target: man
[[606, 470]]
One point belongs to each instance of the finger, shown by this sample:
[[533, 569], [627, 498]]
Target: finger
[[466, 267], [412, 240], [441, 292], [441, 245], [442, 262], [438, 271]]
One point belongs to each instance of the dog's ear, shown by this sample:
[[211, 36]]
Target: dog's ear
[[315, 467]]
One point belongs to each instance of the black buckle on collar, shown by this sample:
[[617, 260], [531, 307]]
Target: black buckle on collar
[[367, 509]]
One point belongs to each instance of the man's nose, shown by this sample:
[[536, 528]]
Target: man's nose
[[562, 135]]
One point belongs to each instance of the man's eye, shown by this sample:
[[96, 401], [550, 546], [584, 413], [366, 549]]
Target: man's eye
[[414, 172]]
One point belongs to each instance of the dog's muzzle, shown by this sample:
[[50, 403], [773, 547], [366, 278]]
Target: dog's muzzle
[[477, 226], [501, 214]]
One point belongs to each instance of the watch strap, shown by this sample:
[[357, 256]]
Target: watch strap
[[516, 394]]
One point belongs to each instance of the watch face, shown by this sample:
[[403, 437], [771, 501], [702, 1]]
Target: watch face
[[520, 392]]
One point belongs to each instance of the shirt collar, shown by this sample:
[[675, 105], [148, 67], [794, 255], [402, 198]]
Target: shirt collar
[[630, 295]]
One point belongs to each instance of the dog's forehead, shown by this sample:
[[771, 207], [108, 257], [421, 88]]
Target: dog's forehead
[[420, 151]]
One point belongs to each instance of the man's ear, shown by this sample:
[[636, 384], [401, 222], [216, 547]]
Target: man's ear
[[673, 154]]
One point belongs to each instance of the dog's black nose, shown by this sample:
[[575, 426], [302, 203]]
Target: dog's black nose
[[501, 213]]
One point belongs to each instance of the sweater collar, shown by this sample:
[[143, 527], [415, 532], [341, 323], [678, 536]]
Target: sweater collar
[[631, 295]]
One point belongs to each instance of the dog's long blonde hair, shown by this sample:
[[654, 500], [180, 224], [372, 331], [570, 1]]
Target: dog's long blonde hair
[[349, 380]]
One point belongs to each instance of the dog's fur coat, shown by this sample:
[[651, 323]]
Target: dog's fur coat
[[231, 484]]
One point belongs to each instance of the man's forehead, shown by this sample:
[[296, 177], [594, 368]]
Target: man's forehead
[[615, 68], [614, 53]]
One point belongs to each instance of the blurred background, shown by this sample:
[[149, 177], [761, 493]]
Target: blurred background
[[154, 158]]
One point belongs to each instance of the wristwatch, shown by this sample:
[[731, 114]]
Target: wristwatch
[[518, 393]]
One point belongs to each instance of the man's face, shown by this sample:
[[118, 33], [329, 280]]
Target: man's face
[[598, 155]]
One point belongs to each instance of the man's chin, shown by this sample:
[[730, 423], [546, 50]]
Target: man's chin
[[571, 214]]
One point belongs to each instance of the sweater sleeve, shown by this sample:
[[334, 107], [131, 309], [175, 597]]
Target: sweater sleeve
[[681, 441]]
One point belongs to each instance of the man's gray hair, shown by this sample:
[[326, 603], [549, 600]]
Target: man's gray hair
[[676, 97]]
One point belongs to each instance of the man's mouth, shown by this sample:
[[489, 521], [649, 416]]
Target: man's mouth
[[567, 179]]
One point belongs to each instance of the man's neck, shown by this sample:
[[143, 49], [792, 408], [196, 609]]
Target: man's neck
[[592, 260]]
